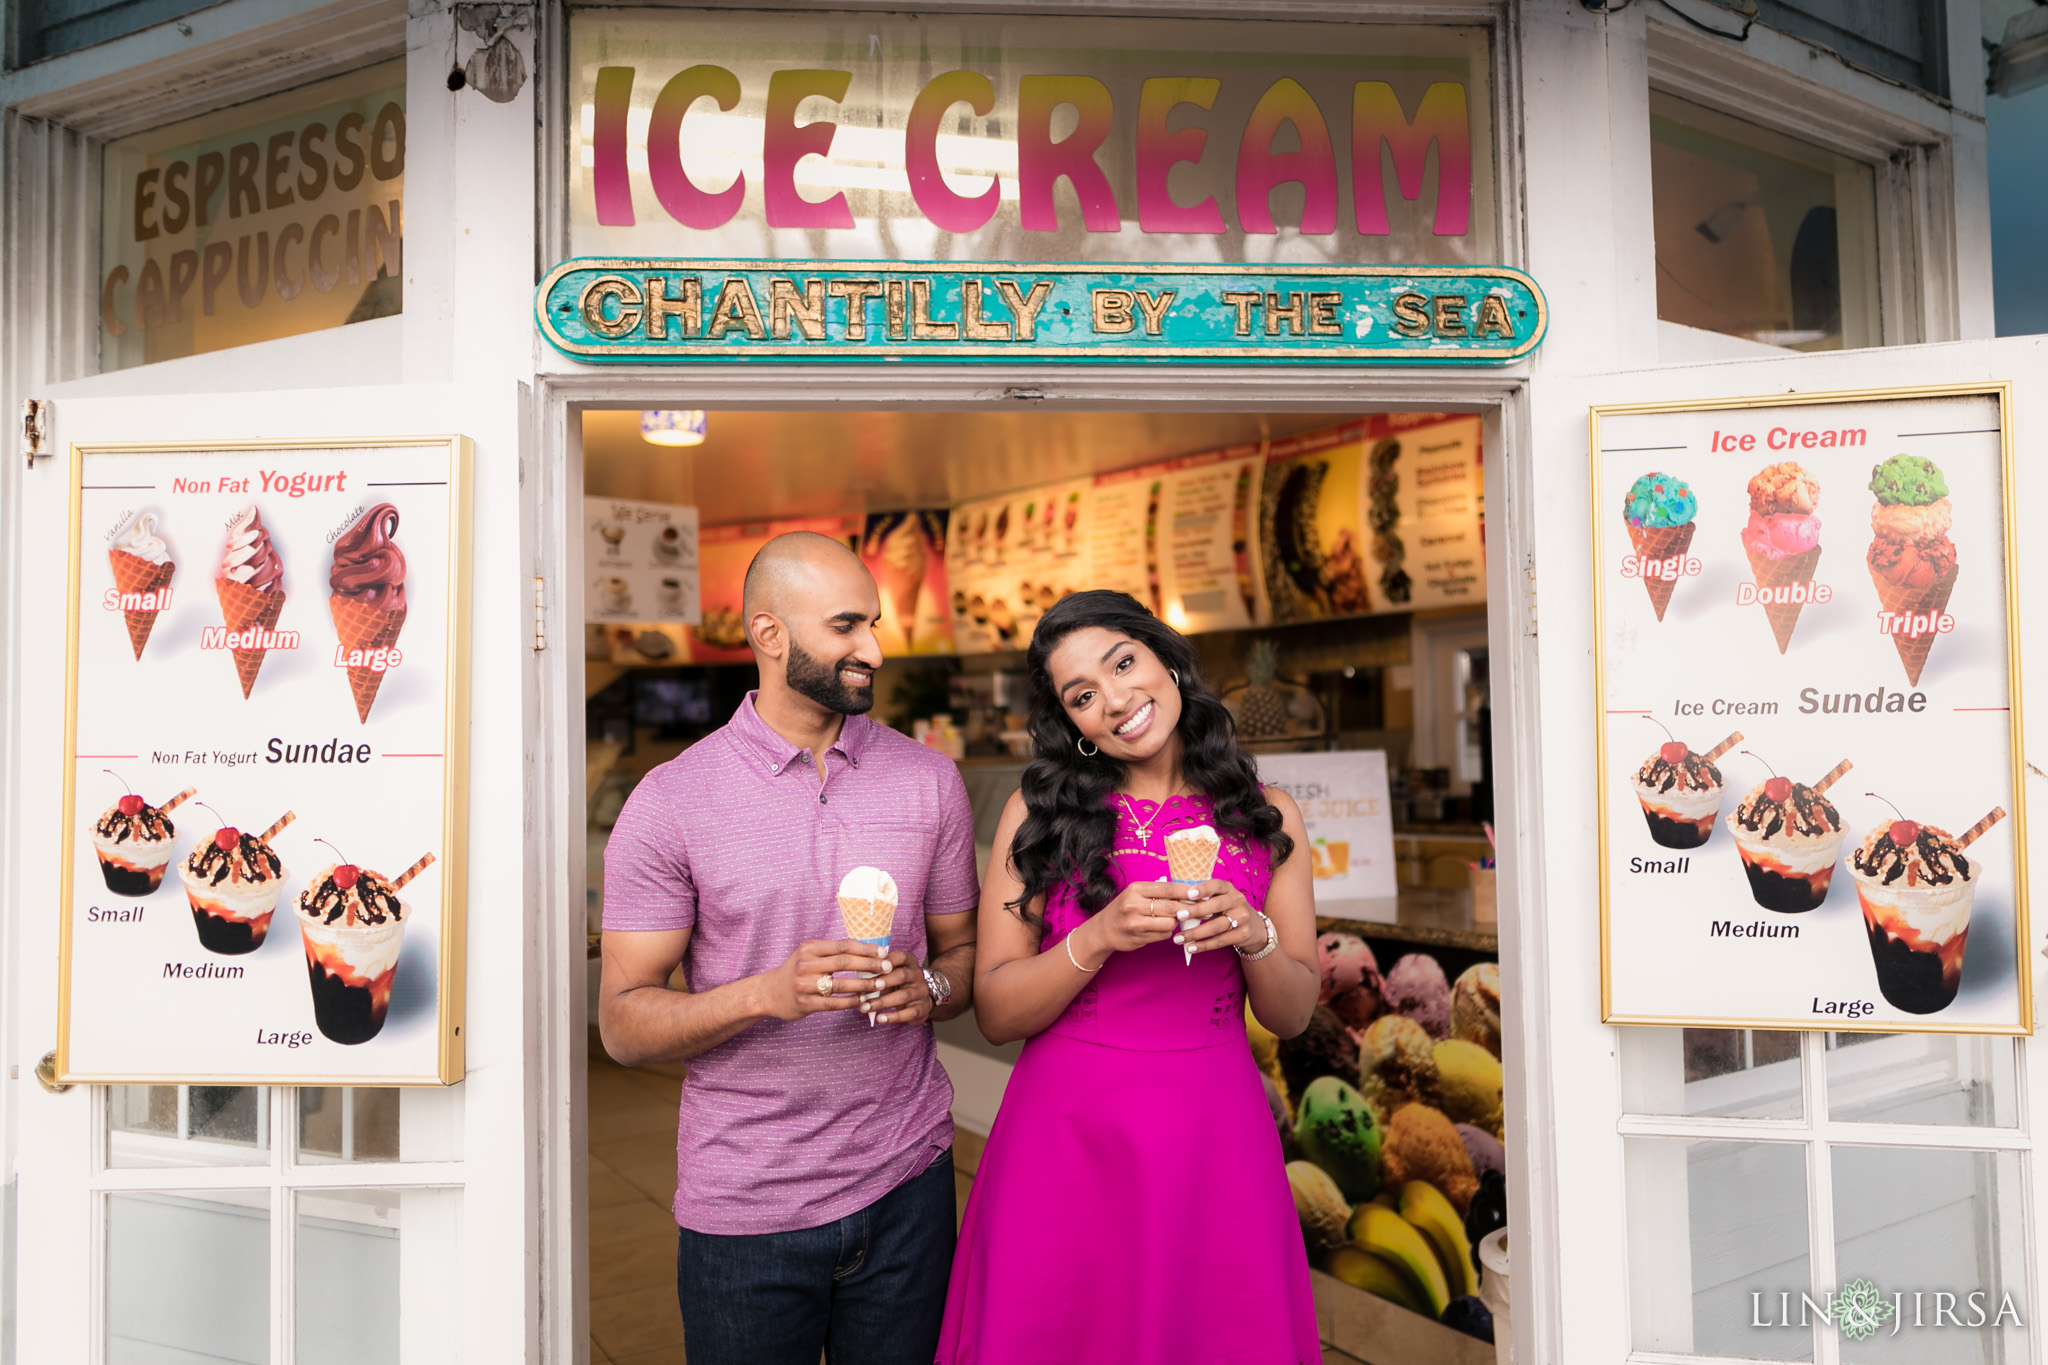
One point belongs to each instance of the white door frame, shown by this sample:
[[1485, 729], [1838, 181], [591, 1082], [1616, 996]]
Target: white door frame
[[1499, 396]]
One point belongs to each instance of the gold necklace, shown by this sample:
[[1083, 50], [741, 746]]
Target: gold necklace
[[1144, 827]]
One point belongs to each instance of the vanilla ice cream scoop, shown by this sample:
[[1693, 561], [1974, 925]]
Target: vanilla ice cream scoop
[[867, 904]]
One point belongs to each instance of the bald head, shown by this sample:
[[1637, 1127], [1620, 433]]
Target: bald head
[[810, 608], [796, 566]]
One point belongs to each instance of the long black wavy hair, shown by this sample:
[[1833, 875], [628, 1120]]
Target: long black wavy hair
[[1068, 822]]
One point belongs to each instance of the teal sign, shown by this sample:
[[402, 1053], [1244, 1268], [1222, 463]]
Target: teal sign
[[643, 311]]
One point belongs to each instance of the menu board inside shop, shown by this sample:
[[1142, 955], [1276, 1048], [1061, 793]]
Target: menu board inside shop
[[1009, 558], [1810, 809], [1178, 536], [263, 866], [639, 561]]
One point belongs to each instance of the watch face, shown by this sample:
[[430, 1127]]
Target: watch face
[[937, 984]]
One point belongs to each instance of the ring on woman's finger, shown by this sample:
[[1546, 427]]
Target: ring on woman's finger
[[1233, 924], [825, 983]]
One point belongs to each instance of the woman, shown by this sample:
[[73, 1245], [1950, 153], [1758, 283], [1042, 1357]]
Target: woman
[[1131, 1205]]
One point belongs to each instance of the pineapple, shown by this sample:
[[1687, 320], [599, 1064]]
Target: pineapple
[[1261, 713]]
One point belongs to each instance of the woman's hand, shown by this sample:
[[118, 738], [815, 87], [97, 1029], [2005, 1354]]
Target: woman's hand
[[1221, 918], [1143, 913]]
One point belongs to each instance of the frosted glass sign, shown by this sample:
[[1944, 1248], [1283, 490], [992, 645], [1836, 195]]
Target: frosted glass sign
[[873, 137]]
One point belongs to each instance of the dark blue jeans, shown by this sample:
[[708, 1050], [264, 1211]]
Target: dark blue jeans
[[869, 1289]]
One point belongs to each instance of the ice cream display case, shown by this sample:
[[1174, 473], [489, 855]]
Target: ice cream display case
[[263, 863]]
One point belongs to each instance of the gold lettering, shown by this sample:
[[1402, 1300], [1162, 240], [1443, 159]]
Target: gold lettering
[[1244, 300], [971, 321], [856, 293], [109, 319], [736, 308], [922, 326], [1322, 315], [894, 309], [1025, 306], [687, 308], [1493, 318], [1449, 311], [1411, 314], [807, 309], [1112, 308], [1154, 310], [1278, 312], [596, 294]]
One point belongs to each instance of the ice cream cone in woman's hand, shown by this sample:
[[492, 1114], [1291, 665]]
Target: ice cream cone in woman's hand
[[1190, 860]]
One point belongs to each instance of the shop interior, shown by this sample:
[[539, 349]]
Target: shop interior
[[1374, 662]]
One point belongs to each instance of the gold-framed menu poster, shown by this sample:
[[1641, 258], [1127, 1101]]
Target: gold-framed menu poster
[[264, 796], [1808, 676]]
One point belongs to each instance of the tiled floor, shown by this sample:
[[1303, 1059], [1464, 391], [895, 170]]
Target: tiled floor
[[633, 1317]]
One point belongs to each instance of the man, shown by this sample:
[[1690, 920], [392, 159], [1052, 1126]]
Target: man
[[814, 1182]]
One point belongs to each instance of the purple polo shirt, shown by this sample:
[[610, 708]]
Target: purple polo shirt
[[794, 1124]]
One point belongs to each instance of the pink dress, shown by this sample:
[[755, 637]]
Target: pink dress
[[1132, 1204]]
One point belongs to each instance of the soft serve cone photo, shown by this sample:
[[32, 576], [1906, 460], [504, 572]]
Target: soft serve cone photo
[[142, 576], [250, 588], [368, 582]]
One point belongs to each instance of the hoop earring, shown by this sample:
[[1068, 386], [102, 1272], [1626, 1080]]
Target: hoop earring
[[1173, 675], [1087, 750]]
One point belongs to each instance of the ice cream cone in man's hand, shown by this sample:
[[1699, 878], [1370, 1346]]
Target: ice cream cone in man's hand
[[867, 907]]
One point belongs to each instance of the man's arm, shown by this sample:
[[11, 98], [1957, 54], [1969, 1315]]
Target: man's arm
[[641, 1020]]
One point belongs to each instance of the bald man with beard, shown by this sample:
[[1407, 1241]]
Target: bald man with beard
[[814, 1185]]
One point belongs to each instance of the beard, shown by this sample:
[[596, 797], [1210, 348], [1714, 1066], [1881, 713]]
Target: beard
[[814, 678]]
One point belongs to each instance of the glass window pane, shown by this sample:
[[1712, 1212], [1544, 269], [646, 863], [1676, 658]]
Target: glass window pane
[[376, 1272], [187, 1125], [1760, 236], [1716, 1233], [1950, 1079], [380, 1123], [1728, 1073], [1924, 1228], [188, 1278]]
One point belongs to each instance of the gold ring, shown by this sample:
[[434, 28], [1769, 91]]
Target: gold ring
[[825, 984]]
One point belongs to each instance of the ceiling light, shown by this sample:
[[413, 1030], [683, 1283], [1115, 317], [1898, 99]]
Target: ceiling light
[[672, 428]]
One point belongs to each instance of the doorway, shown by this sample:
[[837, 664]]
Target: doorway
[[974, 521]]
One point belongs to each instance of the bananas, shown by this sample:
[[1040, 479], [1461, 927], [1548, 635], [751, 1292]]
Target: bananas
[[1363, 1270], [1387, 1235], [1424, 1205]]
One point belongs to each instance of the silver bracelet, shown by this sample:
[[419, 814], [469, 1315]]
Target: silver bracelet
[[1272, 940], [1069, 941]]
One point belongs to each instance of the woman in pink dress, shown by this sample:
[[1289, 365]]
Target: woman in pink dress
[[1132, 1206]]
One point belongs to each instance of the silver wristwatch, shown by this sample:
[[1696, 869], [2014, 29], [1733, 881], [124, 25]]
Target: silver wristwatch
[[941, 989]]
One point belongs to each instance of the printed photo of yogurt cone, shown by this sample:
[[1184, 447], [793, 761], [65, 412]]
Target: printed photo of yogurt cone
[[232, 882], [367, 579], [867, 910], [1190, 861], [250, 587], [352, 926], [1916, 889], [142, 567], [1789, 837]]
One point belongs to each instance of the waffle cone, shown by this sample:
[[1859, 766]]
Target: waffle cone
[[866, 918], [364, 626], [245, 608], [1191, 860], [133, 573], [1932, 599], [1660, 542], [1783, 573]]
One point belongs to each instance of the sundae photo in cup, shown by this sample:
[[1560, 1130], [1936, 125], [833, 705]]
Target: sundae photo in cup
[[232, 881], [1916, 887], [133, 840], [352, 924], [1680, 792], [1789, 836]]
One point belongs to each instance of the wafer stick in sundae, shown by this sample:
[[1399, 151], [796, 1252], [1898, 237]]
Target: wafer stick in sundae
[[1976, 830], [1834, 776], [1723, 747], [267, 835], [426, 861], [180, 799]]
